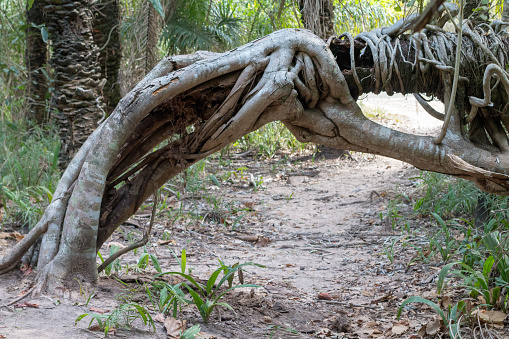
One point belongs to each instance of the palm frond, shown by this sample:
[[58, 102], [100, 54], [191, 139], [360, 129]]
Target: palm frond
[[195, 10], [227, 28], [202, 24], [140, 35], [182, 36]]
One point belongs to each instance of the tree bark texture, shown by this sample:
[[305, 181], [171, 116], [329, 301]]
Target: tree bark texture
[[292, 76], [36, 56], [318, 16], [477, 12], [77, 101], [505, 11], [140, 44], [106, 31]]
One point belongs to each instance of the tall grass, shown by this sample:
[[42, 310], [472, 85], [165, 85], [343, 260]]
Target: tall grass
[[356, 16], [447, 196], [12, 49]]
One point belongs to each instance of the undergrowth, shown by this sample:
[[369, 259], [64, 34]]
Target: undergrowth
[[28, 171], [465, 235], [268, 140]]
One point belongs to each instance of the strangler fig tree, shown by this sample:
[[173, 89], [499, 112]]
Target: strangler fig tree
[[203, 102]]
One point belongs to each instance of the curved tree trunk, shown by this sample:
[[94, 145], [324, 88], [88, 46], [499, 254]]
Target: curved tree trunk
[[35, 60], [77, 99], [291, 76], [318, 17]]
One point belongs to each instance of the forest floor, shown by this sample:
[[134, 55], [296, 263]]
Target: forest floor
[[319, 226]]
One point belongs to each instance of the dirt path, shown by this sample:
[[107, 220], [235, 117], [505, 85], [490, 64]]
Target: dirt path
[[324, 235], [319, 230]]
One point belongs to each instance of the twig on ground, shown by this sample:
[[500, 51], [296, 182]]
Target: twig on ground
[[347, 304], [19, 298]]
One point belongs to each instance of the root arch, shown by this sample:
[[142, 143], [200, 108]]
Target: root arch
[[197, 104]]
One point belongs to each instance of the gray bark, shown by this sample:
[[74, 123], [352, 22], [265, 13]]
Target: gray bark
[[291, 76]]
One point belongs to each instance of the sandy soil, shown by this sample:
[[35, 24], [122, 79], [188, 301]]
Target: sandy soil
[[318, 229]]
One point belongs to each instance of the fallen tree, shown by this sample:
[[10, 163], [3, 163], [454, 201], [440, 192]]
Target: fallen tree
[[193, 105]]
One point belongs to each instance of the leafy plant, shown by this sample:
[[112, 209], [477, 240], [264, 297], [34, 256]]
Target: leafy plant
[[477, 282], [170, 298], [115, 265], [191, 332], [446, 196], [269, 140], [494, 245], [393, 213], [182, 261], [450, 318], [357, 16], [200, 24], [146, 258], [448, 248], [423, 254], [207, 296], [122, 316], [389, 250], [28, 169]]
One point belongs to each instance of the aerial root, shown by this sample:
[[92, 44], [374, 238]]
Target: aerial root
[[476, 38], [11, 259], [450, 98], [427, 107], [274, 89], [284, 71], [309, 76], [23, 296], [227, 107], [352, 59], [490, 71], [385, 46], [496, 131]]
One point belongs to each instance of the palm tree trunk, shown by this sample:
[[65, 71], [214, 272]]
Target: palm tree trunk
[[77, 101], [505, 11], [35, 62], [318, 16], [140, 45], [153, 32], [106, 33], [477, 12]]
